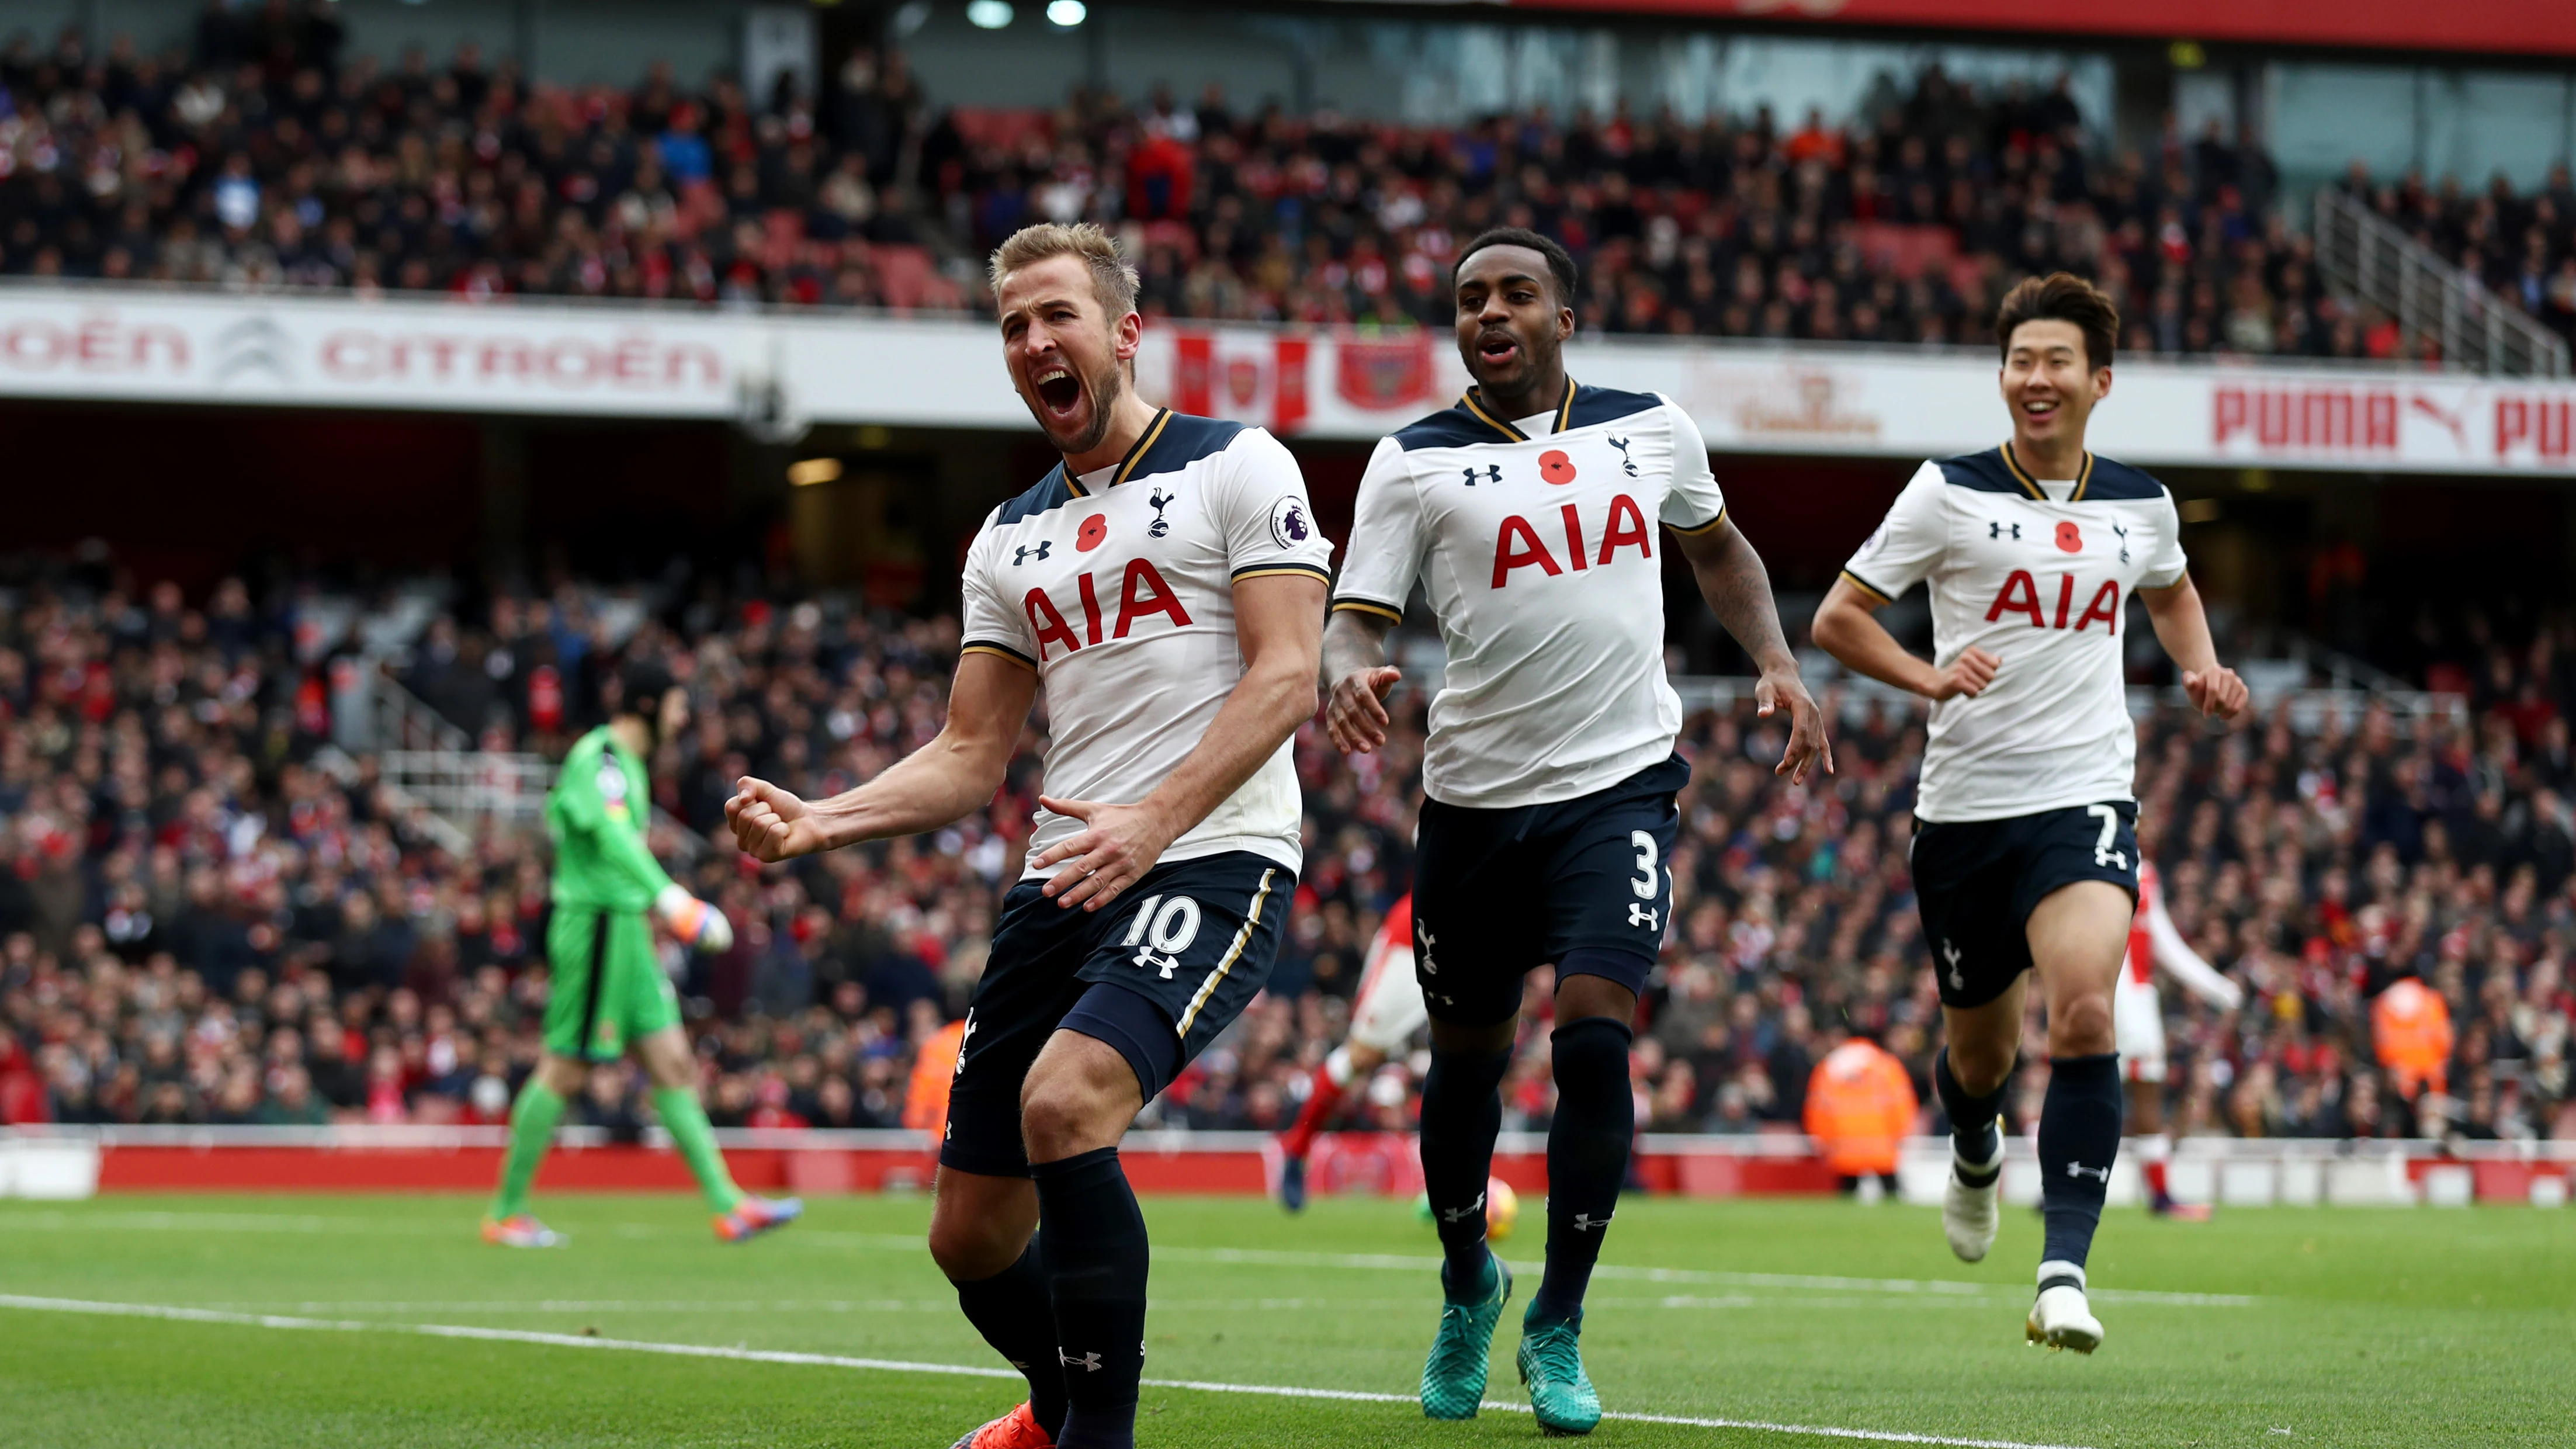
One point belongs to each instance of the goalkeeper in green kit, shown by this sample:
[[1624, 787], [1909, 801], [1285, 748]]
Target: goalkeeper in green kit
[[609, 996]]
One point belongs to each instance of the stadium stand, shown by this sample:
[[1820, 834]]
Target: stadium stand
[[265, 159], [210, 914]]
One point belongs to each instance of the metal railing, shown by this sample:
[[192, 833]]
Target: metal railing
[[2365, 253]]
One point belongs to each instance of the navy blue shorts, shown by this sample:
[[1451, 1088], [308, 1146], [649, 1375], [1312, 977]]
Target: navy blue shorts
[[1580, 885], [1156, 975], [1977, 881]]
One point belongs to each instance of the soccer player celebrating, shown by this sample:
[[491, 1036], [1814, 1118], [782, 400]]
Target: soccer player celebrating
[[1166, 583], [2025, 857], [1528, 513], [2138, 1029], [608, 994], [1385, 1013]]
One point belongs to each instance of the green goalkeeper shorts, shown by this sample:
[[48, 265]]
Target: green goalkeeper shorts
[[608, 992]]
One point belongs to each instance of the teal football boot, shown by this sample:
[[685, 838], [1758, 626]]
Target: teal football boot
[[1551, 1363], [1453, 1378]]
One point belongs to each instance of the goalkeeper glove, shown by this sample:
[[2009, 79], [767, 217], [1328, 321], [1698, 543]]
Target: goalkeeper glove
[[692, 920]]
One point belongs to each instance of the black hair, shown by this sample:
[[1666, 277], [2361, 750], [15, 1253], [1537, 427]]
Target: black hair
[[2061, 297], [1560, 262], [642, 683]]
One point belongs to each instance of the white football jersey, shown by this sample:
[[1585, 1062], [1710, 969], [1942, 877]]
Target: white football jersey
[[2039, 575], [1117, 587], [1536, 543]]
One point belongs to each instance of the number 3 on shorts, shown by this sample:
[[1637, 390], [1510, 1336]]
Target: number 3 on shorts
[[1645, 883], [2103, 854]]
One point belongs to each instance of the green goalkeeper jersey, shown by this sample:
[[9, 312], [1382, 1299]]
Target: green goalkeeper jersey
[[597, 813]]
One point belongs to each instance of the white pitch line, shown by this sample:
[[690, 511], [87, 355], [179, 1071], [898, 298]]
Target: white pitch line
[[905, 1366]]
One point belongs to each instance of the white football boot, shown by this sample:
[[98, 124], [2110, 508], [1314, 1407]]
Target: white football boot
[[2062, 1318], [1970, 1215]]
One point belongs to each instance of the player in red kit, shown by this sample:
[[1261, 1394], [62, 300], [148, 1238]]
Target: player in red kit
[[1385, 1014]]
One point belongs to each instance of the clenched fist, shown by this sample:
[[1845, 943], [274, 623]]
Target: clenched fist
[[771, 824]]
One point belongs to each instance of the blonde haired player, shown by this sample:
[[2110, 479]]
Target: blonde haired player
[[1385, 1013], [2138, 1031]]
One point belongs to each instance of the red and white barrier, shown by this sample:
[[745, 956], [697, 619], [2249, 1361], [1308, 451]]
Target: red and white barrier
[[77, 1162]]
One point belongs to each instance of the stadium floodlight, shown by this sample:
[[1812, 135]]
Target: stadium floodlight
[[988, 14], [1066, 14], [807, 472]]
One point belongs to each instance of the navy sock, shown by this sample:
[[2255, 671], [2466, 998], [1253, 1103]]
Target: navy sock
[[1587, 1158], [2079, 1135], [1975, 1134], [1093, 1245], [1012, 1310], [1462, 1112]]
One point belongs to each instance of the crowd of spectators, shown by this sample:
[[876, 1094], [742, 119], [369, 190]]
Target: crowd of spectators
[[2521, 248], [210, 913], [263, 156]]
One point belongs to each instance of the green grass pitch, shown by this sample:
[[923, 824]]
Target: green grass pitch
[[2266, 1327]]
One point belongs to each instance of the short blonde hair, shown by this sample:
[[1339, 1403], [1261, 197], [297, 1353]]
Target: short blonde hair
[[1112, 280]]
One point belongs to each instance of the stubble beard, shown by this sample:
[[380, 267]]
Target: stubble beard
[[1105, 388]]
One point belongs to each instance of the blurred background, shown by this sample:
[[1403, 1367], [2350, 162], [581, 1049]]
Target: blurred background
[[373, 375]]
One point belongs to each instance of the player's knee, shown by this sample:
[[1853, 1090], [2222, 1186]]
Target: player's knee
[[969, 1248], [1063, 1116], [1981, 1067], [2081, 1025]]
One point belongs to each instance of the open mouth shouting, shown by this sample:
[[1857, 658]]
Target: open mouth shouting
[[1059, 395], [1497, 350]]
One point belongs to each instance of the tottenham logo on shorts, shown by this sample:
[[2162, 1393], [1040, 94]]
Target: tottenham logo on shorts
[[1587, 1223], [1950, 954], [1162, 930], [1474, 1209], [1644, 916], [1161, 526], [1288, 523], [1429, 966], [1028, 551], [1628, 463], [1089, 1363], [964, 1037]]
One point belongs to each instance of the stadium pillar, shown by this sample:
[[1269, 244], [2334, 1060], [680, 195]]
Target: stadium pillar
[[503, 486]]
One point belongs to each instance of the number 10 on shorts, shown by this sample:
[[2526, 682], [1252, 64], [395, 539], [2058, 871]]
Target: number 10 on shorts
[[1163, 929]]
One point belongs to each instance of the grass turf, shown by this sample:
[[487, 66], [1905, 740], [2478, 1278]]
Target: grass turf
[[2358, 1327]]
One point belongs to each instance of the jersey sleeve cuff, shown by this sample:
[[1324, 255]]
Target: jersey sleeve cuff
[[1284, 567], [1866, 587], [1004, 651], [1697, 529], [1388, 612]]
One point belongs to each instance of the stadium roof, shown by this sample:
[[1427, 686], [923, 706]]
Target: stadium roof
[[2518, 27]]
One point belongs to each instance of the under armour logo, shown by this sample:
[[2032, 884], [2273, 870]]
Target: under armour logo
[[963, 1037], [2077, 1169], [1950, 954], [1088, 1363], [1493, 473], [1997, 530], [1587, 1223], [1025, 552], [1474, 1209], [1625, 462], [1146, 960], [1644, 916], [1160, 526], [2123, 532]]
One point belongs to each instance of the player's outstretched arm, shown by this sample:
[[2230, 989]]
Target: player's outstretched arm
[[1356, 679], [987, 704], [1278, 621], [1847, 628], [1738, 590], [2183, 628]]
